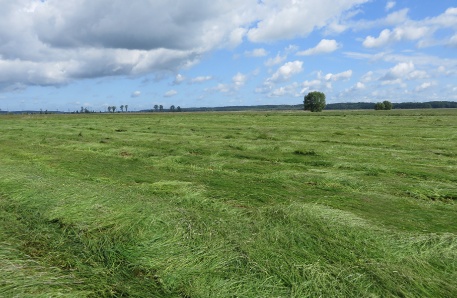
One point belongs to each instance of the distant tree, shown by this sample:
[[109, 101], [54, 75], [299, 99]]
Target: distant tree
[[126, 107], [161, 108], [122, 108], [314, 101], [113, 108], [379, 106], [172, 108], [109, 109], [82, 109], [178, 109], [387, 105], [156, 108]]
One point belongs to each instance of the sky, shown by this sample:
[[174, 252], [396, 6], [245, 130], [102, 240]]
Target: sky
[[64, 55]]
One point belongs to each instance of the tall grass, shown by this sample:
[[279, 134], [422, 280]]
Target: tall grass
[[287, 204]]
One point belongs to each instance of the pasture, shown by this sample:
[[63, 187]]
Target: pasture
[[236, 204]]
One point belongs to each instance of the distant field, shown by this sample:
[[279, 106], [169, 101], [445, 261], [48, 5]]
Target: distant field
[[240, 204]]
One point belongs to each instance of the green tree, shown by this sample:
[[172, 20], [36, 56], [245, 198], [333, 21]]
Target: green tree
[[113, 108], [172, 108], [156, 108], [161, 108], [379, 106], [314, 101], [122, 108], [387, 105], [178, 109], [126, 107]]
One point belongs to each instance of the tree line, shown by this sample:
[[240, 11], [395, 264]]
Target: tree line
[[159, 108], [399, 105]]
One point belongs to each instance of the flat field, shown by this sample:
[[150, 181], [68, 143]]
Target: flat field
[[241, 204]]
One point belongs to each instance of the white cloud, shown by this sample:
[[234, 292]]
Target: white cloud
[[256, 53], [398, 17], [201, 79], [390, 5], [286, 71], [324, 46], [403, 71], [368, 77], [276, 60], [285, 19], [398, 34], [223, 88], [424, 86], [359, 86], [373, 42], [313, 83], [179, 79], [345, 75], [239, 80], [405, 29], [62, 41], [136, 94], [290, 91], [453, 41], [170, 93]]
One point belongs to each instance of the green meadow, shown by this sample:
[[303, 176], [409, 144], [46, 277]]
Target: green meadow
[[229, 204]]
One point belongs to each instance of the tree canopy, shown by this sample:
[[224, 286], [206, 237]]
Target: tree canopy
[[385, 105], [314, 101]]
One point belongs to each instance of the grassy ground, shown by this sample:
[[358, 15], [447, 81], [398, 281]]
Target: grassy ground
[[283, 204]]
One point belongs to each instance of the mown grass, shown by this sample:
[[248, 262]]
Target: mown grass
[[279, 204]]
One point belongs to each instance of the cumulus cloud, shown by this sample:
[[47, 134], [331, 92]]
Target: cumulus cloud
[[256, 53], [345, 75], [201, 79], [290, 18], [453, 41], [276, 60], [423, 31], [56, 42], [239, 80], [390, 5], [399, 71], [170, 93], [359, 86], [136, 94], [290, 90], [223, 88], [286, 71], [323, 82], [424, 86], [403, 71], [325, 46], [178, 79], [62, 41], [398, 34]]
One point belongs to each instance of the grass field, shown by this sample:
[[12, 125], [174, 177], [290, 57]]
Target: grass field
[[251, 204]]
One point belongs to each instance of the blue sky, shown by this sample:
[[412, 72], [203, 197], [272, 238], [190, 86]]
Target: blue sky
[[64, 55]]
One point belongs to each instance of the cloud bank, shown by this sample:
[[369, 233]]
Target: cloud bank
[[55, 42]]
